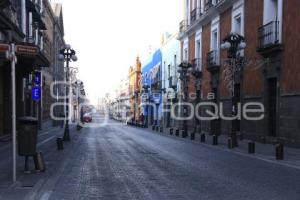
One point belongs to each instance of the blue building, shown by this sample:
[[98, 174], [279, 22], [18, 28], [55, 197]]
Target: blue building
[[152, 89]]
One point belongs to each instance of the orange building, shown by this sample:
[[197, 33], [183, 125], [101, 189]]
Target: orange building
[[135, 89]]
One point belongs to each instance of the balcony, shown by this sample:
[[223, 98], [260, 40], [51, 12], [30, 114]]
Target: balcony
[[213, 62], [4, 4], [211, 3], [36, 10], [197, 64], [173, 82], [156, 84], [195, 14], [10, 18], [183, 26], [268, 37], [208, 5]]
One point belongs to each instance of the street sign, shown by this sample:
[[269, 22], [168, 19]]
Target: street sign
[[27, 50], [37, 78], [36, 93], [4, 47]]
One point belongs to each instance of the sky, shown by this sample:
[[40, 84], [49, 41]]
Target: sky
[[108, 35]]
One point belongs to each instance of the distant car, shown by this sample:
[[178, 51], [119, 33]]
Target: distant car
[[87, 118]]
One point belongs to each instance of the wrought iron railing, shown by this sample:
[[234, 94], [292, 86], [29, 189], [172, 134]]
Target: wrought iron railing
[[208, 4], [213, 58], [173, 81], [197, 64], [268, 35], [193, 15]]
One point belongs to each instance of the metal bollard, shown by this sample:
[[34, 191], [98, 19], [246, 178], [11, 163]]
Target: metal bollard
[[193, 136], [251, 147], [215, 140], [161, 129], [230, 143], [39, 162], [177, 132], [279, 152], [171, 131], [183, 134], [60, 143], [202, 138]]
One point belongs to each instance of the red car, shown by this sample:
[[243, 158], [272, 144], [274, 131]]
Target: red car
[[87, 118]]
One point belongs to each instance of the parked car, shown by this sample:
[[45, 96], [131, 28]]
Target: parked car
[[87, 118]]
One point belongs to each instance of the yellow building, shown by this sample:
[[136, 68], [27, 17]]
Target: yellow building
[[135, 88]]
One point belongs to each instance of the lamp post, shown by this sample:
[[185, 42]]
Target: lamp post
[[67, 54], [146, 91], [197, 73], [234, 43], [136, 95], [184, 72]]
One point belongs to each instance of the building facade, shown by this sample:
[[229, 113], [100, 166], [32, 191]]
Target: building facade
[[152, 89], [269, 72], [28, 24], [58, 65], [134, 89], [170, 79]]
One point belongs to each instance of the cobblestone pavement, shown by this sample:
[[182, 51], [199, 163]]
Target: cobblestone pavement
[[120, 162]]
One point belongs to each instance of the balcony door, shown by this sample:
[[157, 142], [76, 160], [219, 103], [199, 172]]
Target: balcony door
[[272, 106], [1, 101]]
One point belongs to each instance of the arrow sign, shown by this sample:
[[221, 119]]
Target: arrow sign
[[37, 78], [27, 50], [4, 47]]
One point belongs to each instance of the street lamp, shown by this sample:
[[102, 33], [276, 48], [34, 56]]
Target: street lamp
[[185, 68], [234, 43], [146, 93], [197, 73], [67, 54], [136, 95]]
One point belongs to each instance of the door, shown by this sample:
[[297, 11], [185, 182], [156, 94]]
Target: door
[[1, 101], [272, 106]]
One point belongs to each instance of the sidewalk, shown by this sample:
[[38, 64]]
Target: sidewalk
[[265, 152], [27, 183]]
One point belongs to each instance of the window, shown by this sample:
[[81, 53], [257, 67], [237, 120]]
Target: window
[[198, 49], [187, 11], [237, 18], [214, 40], [185, 55], [237, 24], [271, 31], [175, 65], [270, 11], [198, 54]]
